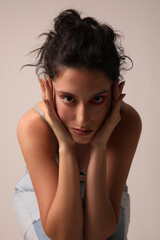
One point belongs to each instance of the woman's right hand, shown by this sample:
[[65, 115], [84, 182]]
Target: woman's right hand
[[48, 96]]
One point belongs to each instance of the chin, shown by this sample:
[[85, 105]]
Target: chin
[[82, 140]]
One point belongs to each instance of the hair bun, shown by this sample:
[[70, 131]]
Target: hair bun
[[91, 22], [76, 42], [109, 33], [66, 20]]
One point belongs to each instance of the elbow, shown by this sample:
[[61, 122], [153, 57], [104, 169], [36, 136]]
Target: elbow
[[59, 231], [58, 227], [50, 234], [100, 232], [112, 227], [53, 234], [47, 232], [50, 230]]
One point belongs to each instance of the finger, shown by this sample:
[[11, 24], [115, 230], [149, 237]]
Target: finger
[[54, 98], [54, 121], [50, 81], [115, 91], [48, 91], [121, 86], [51, 112], [42, 89], [119, 102], [54, 95]]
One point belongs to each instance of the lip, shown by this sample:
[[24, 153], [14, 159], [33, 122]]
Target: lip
[[82, 132]]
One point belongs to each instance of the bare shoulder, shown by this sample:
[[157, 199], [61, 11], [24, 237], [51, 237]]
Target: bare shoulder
[[130, 126], [130, 117], [121, 149], [39, 152], [32, 122], [31, 114]]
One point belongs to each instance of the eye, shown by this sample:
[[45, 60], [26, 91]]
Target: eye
[[98, 100], [67, 99]]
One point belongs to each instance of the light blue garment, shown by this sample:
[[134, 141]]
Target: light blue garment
[[28, 216]]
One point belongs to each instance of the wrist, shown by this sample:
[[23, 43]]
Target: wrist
[[66, 147], [98, 151], [99, 147]]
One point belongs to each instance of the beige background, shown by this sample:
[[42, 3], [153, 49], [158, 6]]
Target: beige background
[[20, 24]]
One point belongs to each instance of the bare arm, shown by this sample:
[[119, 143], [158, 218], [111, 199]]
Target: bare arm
[[57, 192], [106, 177], [100, 218], [65, 217]]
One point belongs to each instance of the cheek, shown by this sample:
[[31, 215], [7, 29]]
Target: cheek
[[63, 112]]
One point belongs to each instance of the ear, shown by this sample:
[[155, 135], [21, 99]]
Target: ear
[[121, 85]]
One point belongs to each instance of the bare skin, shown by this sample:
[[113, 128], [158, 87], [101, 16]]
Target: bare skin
[[82, 149], [105, 156]]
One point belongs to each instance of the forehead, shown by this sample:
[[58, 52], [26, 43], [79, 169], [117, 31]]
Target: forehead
[[90, 79]]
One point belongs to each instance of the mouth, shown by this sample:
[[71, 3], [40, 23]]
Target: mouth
[[82, 132]]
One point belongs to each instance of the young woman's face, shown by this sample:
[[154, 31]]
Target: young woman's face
[[83, 99]]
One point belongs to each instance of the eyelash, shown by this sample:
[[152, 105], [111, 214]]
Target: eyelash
[[102, 96]]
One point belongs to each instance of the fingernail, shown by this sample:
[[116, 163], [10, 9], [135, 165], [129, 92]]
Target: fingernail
[[46, 81]]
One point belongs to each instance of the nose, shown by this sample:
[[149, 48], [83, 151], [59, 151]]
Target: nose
[[82, 116]]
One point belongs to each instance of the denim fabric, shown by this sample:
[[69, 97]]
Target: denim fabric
[[28, 217], [27, 210], [39, 230]]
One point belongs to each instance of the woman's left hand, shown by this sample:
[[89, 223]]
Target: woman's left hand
[[103, 134]]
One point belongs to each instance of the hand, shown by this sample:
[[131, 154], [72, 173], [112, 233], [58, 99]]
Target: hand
[[48, 97], [103, 134]]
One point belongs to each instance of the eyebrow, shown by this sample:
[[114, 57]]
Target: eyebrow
[[104, 91]]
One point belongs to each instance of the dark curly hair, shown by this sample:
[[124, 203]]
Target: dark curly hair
[[76, 42]]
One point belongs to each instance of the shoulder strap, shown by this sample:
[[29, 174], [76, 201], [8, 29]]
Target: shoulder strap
[[39, 111], [43, 116]]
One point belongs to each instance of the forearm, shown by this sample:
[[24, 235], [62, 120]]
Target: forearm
[[100, 218], [66, 212]]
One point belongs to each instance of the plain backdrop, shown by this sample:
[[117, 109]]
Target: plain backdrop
[[21, 22]]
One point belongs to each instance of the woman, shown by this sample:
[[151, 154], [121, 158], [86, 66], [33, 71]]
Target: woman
[[78, 143]]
